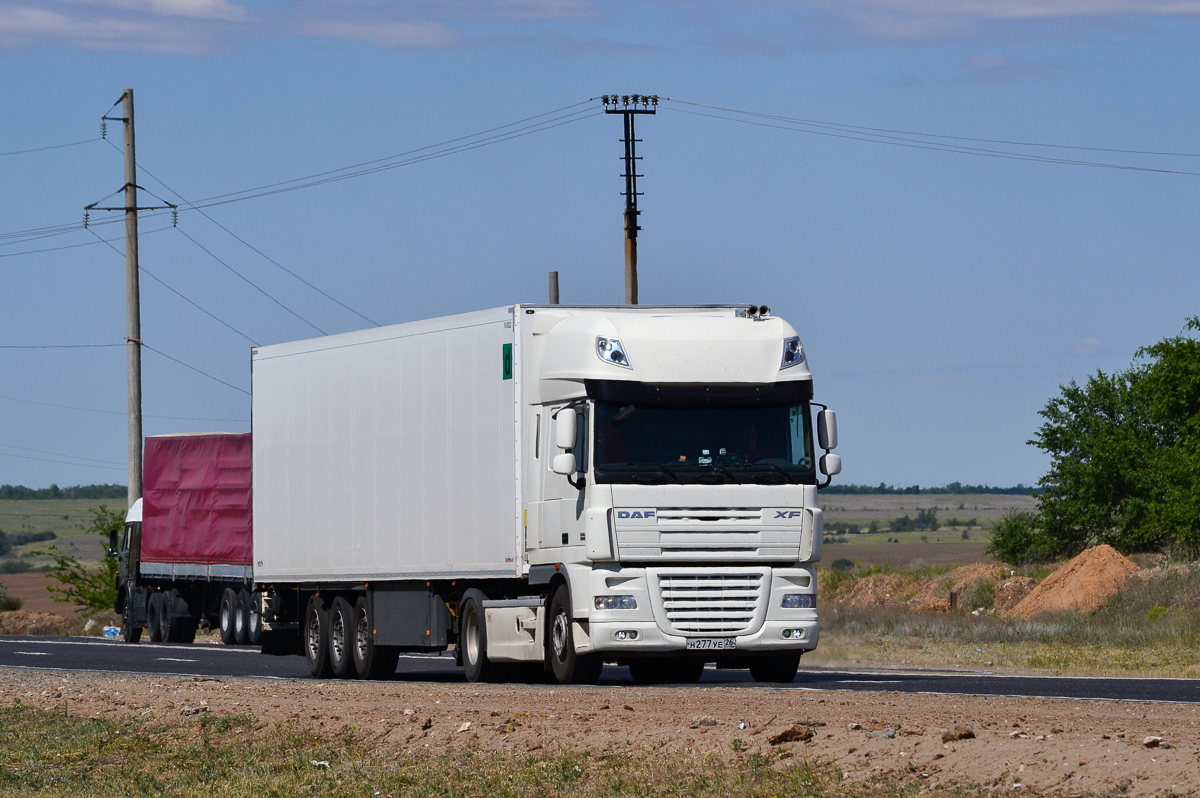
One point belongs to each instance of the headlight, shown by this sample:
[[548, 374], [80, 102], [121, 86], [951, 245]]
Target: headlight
[[799, 601], [611, 350], [616, 603], [793, 353]]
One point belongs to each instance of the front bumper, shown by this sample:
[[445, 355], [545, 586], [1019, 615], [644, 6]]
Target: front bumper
[[650, 639]]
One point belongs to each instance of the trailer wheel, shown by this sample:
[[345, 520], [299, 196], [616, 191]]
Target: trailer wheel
[[228, 614], [129, 632], [567, 666], [170, 625], [776, 669], [241, 618], [473, 639], [370, 661], [154, 609], [316, 638], [254, 618], [341, 638]]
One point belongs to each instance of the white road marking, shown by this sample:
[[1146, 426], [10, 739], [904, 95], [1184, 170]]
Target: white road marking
[[33, 653], [174, 659]]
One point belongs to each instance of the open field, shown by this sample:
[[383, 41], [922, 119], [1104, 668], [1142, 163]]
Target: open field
[[67, 733], [64, 517]]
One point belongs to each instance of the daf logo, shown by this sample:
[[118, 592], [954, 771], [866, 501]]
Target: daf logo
[[788, 513], [635, 514]]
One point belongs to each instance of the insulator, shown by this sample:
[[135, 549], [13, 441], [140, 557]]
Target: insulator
[[174, 217], [103, 129], [86, 220]]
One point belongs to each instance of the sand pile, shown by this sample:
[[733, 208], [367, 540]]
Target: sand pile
[[1011, 590], [877, 590], [24, 622], [935, 594], [1082, 584]]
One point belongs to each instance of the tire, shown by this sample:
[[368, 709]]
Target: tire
[[370, 661], [154, 609], [341, 639], [316, 638], [170, 625], [776, 669], [241, 618], [254, 619], [228, 615], [473, 640], [187, 631], [129, 632], [677, 670], [567, 666]]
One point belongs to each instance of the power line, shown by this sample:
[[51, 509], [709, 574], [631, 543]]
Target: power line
[[250, 282], [50, 147], [61, 462], [471, 141], [898, 141], [256, 249], [60, 454], [121, 413], [178, 293], [193, 368], [62, 346]]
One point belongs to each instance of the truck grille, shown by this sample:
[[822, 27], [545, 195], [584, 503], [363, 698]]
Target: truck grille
[[712, 603]]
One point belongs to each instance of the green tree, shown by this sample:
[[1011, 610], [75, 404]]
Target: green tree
[[1124, 458], [91, 589]]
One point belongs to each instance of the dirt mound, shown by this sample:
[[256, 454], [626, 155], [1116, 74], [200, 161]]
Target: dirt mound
[[877, 590], [24, 622], [1083, 584], [1010, 592], [937, 591]]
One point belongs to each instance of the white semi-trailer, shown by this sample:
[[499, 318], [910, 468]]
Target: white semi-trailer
[[544, 488]]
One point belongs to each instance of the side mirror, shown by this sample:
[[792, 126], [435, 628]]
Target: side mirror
[[827, 430], [565, 463], [564, 430], [831, 465]]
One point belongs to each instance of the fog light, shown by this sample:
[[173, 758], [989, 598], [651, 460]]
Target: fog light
[[792, 634], [616, 603], [626, 634], [799, 601]]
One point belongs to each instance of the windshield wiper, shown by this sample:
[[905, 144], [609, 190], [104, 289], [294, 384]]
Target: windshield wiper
[[724, 471], [786, 475], [662, 468]]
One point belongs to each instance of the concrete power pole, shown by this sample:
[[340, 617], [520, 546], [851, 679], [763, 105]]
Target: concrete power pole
[[133, 305], [628, 106]]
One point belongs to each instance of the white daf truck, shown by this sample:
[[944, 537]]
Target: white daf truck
[[545, 489]]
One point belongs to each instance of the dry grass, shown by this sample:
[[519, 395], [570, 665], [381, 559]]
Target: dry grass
[[56, 753], [1150, 628]]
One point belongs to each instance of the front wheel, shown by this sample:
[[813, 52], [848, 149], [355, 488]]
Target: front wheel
[[775, 669], [567, 666], [129, 632]]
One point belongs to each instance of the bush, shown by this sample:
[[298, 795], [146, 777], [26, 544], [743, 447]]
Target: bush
[[15, 567], [8, 603], [89, 589], [1017, 539], [842, 564], [980, 594], [966, 535]]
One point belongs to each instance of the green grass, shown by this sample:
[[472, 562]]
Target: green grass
[[54, 753], [64, 517]]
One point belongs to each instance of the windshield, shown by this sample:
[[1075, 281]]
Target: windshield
[[657, 444]]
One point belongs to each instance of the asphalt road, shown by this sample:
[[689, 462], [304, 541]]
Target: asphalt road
[[97, 654]]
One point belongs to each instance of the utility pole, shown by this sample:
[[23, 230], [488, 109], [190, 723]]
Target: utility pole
[[553, 288], [629, 106], [133, 310]]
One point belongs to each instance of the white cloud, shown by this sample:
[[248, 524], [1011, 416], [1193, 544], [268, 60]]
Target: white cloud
[[1086, 346], [102, 29], [935, 19], [380, 33]]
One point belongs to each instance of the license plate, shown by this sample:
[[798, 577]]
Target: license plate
[[711, 643]]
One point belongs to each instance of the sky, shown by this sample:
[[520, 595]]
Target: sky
[[957, 204]]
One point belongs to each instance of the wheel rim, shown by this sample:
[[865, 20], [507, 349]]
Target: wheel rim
[[314, 636], [226, 616], [363, 637], [559, 635], [337, 636], [472, 648]]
